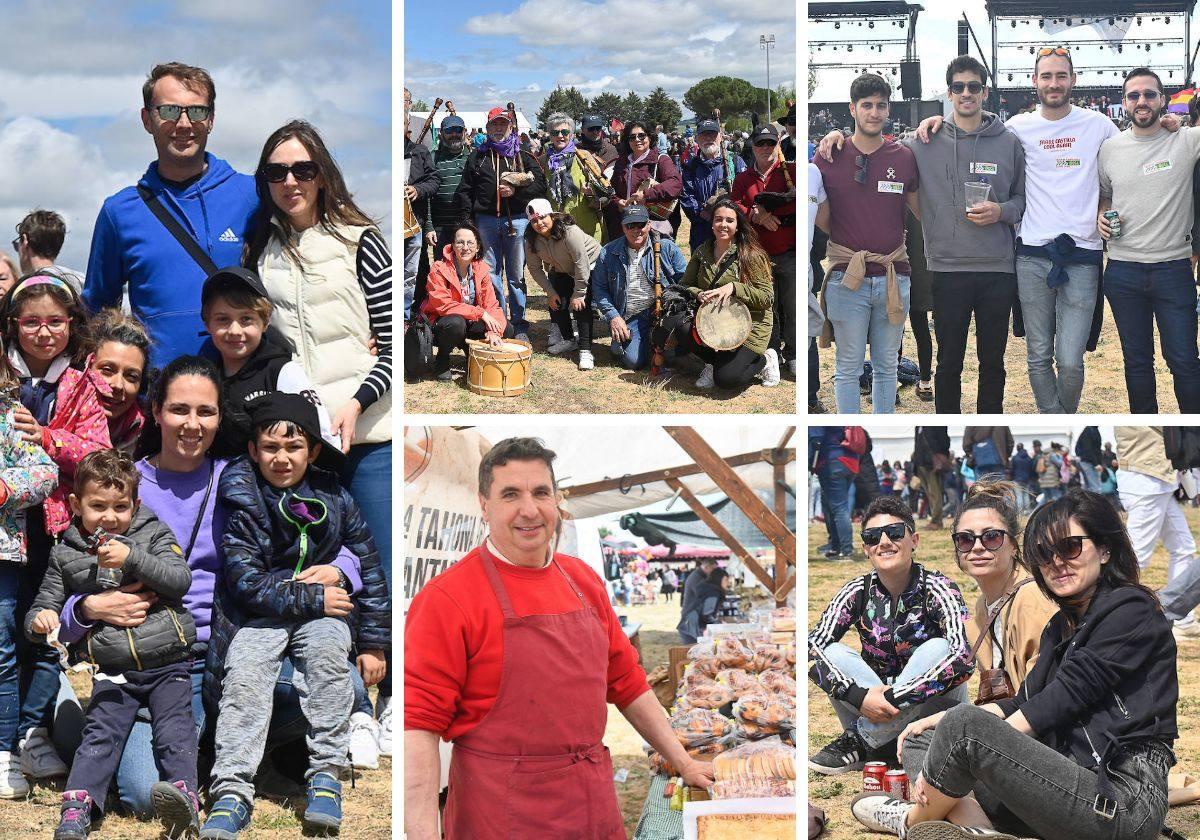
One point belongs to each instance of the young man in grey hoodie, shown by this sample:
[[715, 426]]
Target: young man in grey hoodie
[[970, 245]]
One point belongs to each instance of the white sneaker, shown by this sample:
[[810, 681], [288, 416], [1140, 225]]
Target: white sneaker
[[39, 759], [706, 381], [1187, 628], [940, 830], [562, 347], [385, 730], [12, 781], [555, 336], [770, 372], [880, 812], [586, 361], [364, 741]]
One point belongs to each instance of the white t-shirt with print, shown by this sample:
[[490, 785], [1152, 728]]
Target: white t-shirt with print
[[1062, 175]]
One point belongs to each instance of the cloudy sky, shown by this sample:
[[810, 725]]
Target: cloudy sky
[[70, 94], [937, 41], [480, 55]]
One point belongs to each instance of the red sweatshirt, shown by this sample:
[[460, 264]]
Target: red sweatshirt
[[749, 184], [453, 640]]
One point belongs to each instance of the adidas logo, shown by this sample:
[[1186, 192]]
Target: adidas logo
[[229, 236]]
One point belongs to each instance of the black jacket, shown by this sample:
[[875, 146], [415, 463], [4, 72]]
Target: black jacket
[[257, 377], [1111, 684], [477, 189], [422, 175], [929, 440], [1087, 448]]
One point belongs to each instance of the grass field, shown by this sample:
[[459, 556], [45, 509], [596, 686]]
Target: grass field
[[1103, 385], [367, 809], [833, 793], [559, 387]]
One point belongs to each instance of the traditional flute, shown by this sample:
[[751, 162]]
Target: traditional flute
[[656, 356]]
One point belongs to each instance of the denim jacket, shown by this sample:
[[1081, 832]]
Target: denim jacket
[[611, 274]]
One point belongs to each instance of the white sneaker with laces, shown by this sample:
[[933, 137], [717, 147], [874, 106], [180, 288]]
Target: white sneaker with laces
[[555, 336], [770, 372], [385, 731], [562, 347], [880, 812], [39, 759], [13, 784], [364, 741], [706, 382], [586, 360]]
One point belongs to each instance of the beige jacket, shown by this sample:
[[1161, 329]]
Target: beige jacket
[[574, 254], [856, 270], [1023, 619], [1141, 449]]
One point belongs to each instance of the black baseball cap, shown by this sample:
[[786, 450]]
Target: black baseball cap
[[765, 130], [234, 277], [294, 408], [707, 125], [635, 213], [593, 121]]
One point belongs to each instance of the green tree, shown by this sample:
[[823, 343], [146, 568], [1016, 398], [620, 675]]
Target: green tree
[[779, 101], [660, 109], [420, 105], [632, 108], [607, 105], [567, 100], [732, 95]]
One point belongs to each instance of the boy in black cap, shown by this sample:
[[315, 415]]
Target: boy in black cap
[[256, 359], [286, 523]]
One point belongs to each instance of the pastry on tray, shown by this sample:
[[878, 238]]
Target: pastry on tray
[[746, 826]]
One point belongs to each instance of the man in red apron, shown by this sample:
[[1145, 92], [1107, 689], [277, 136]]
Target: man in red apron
[[513, 654]]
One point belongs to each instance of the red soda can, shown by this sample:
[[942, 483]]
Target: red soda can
[[873, 776], [895, 784]]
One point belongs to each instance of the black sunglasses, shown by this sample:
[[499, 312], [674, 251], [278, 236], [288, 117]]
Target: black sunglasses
[[1068, 548], [634, 225], [639, 136], [959, 87], [562, 132], [195, 113], [16, 243], [895, 532], [303, 170], [860, 174], [992, 539]]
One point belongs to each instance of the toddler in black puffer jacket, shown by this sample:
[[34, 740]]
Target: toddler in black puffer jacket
[[113, 541]]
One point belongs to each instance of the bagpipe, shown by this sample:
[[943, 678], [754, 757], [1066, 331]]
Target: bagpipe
[[772, 201]]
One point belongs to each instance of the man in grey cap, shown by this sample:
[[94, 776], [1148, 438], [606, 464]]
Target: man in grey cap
[[595, 142], [706, 175], [623, 285]]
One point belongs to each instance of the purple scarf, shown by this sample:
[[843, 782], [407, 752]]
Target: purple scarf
[[558, 159], [562, 188], [508, 147]]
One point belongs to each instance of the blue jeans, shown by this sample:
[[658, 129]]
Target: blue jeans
[[1089, 476], [368, 476], [850, 663], [859, 318], [836, 481], [40, 671], [1057, 325], [507, 252], [412, 263], [10, 629], [1140, 294], [635, 353]]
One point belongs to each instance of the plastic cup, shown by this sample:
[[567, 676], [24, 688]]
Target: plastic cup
[[977, 193]]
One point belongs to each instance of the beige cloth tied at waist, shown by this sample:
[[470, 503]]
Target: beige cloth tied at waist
[[855, 271]]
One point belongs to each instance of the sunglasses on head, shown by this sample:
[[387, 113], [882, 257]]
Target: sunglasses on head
[[972, 87], [992, 539], [1068, 548], [195, 113], [895, 532], [302, 170], [1045, 51]]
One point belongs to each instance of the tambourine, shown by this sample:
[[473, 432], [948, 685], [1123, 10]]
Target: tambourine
[[722, 326]]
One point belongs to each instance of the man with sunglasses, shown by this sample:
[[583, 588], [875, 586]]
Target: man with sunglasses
[[1146, 176], [594, 141], [214, 205], [915, 656]]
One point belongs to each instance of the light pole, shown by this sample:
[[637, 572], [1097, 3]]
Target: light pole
[[766, 42]]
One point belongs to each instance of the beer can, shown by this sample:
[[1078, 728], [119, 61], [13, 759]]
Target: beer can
[[873, 776], [895, 784], [1114, 221]]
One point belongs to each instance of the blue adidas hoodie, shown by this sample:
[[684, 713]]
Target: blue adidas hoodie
[[130, 246]]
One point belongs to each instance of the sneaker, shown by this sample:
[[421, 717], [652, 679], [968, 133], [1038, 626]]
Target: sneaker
[[39, 759], [75, 816], [939, 830], [555, 336], [364, 741], [770, 372], [226, 819], [706, 381], [817, 407], [385, 731], [13, 784], [323, 811], [177, 808], [1187, 629], [925, 390], [562, 346], [880, 812], [586, 360], [843, 754]]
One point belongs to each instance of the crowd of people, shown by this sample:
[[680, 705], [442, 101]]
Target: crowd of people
[[593, 218], [1076, 657], [196, 491], [1025, 226]]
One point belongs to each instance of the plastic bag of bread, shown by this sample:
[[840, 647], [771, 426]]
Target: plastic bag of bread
[[777, 682], [789, 653], [770, 710], [739, 681], [733, 653], [700, 650], [755, 732], [695, 727], [705, 752], [756, 768], [753, 788], [707, 695], [706, 667], [768, 658]]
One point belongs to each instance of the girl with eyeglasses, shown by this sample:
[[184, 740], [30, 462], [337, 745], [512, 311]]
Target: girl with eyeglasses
[[1084, 748]]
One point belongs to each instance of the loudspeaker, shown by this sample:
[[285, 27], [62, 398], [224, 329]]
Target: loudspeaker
[[910, 78]]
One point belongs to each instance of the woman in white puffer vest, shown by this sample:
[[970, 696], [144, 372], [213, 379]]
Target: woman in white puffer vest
[[328, 272]]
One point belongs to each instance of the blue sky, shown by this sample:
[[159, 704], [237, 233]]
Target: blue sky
[[482, 54], [70, 133]]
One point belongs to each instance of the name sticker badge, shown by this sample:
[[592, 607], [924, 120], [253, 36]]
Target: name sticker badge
[[1157, 166], [1067, 163], [893, 187], [980, 168]]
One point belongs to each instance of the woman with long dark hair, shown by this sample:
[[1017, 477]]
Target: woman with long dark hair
[[637, 160], [1084, 748], [560, 257], [732, 265]]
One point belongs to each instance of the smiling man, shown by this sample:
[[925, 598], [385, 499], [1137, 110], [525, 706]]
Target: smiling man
[[915, 657], [213, 206], [513, 655]]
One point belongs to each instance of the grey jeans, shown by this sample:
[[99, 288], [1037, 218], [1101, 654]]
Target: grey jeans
[[1057, 325], [319, 649], [1025, 787]]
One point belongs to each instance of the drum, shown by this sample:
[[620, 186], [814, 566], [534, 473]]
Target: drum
[[723, 326], [502, 371]]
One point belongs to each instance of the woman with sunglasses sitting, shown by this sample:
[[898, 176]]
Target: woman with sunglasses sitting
[[1084, 748], [915, 659]]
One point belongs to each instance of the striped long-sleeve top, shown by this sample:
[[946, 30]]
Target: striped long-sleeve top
[[890, 628], [375, 277]]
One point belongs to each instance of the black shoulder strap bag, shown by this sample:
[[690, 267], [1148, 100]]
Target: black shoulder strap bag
[[176, 229]]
